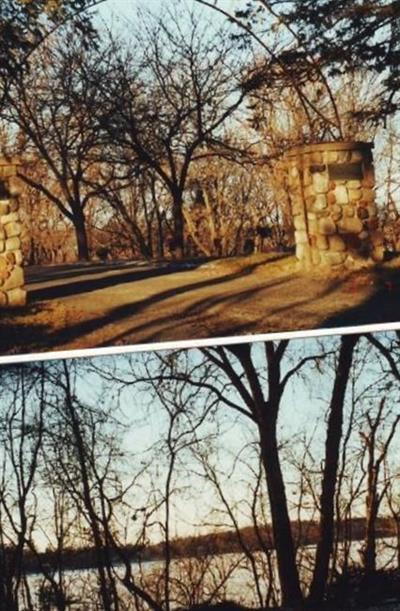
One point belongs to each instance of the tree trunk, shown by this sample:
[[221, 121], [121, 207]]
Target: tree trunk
[[160, 234], [179, 247], [332, 446], [266, 415], [101, 559], [283, 539], [370, 534], [138, 240], [81, 234]]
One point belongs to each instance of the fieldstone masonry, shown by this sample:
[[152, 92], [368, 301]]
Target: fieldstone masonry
[[331, 189], [12, 291]]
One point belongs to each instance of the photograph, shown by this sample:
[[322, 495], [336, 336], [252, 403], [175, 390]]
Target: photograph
[[229, 164], [256, 476]]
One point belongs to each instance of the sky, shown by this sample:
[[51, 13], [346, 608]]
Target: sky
[[303, 412], [118, 11]]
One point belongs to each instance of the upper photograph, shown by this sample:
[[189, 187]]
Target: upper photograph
[[187, 169]]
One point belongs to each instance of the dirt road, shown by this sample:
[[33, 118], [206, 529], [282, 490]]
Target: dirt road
[[100, 305]]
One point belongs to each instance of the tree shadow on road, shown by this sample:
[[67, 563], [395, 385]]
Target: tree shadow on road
[[88, 285], [126, 311], [383, 306]]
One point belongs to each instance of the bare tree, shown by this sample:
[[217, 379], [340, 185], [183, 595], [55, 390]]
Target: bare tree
[[55, 108], [171, 97]]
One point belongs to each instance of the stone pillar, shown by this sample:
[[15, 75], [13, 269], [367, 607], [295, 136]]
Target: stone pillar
[[12, 291], [331, 189]]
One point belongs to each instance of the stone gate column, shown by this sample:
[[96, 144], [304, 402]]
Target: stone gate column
[[12, 291], [331, 189]]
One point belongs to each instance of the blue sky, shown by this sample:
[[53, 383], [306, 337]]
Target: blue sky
[[302, 414], [122, 10]]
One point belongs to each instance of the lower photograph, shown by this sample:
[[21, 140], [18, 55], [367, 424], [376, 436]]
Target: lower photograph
[[246, 476]]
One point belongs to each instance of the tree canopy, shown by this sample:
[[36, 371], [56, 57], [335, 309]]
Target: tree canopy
[[333, 36], [24, 24]]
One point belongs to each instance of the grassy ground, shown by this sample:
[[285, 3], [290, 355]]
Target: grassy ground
[[258, 294]]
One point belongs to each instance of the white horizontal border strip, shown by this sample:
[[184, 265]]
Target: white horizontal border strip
[[197, 343]]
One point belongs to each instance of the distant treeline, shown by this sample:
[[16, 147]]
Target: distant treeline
[[305, 533]]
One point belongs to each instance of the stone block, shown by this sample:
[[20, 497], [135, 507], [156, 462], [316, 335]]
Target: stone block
[[333, 258], [317, 157], [13, 229], [321, 183], [301, 237], [309, 191], [9, 218], [313, 226], [15, 279], [4, 207], [10, 258], [297, 208], [18, 256], [331, 198], [372, 210], [341, 194], [4, 268], [336, 212], [322, 242], [6, 171], [336, 243], [2, 246], [354, 184], [13, 243], [344, 156], [299, 222], [307, 178], [326, 226], [294, 187], [349, 262], [378, 253], [320, 202], [301, 251], [16, 297], [349, 210], [331, 156], [315, 257], [368, 195], [350, 225], [355, 195], [362, 213], [14, 187]]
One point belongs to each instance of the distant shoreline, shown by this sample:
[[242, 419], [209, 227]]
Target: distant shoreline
[[195, 546]]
